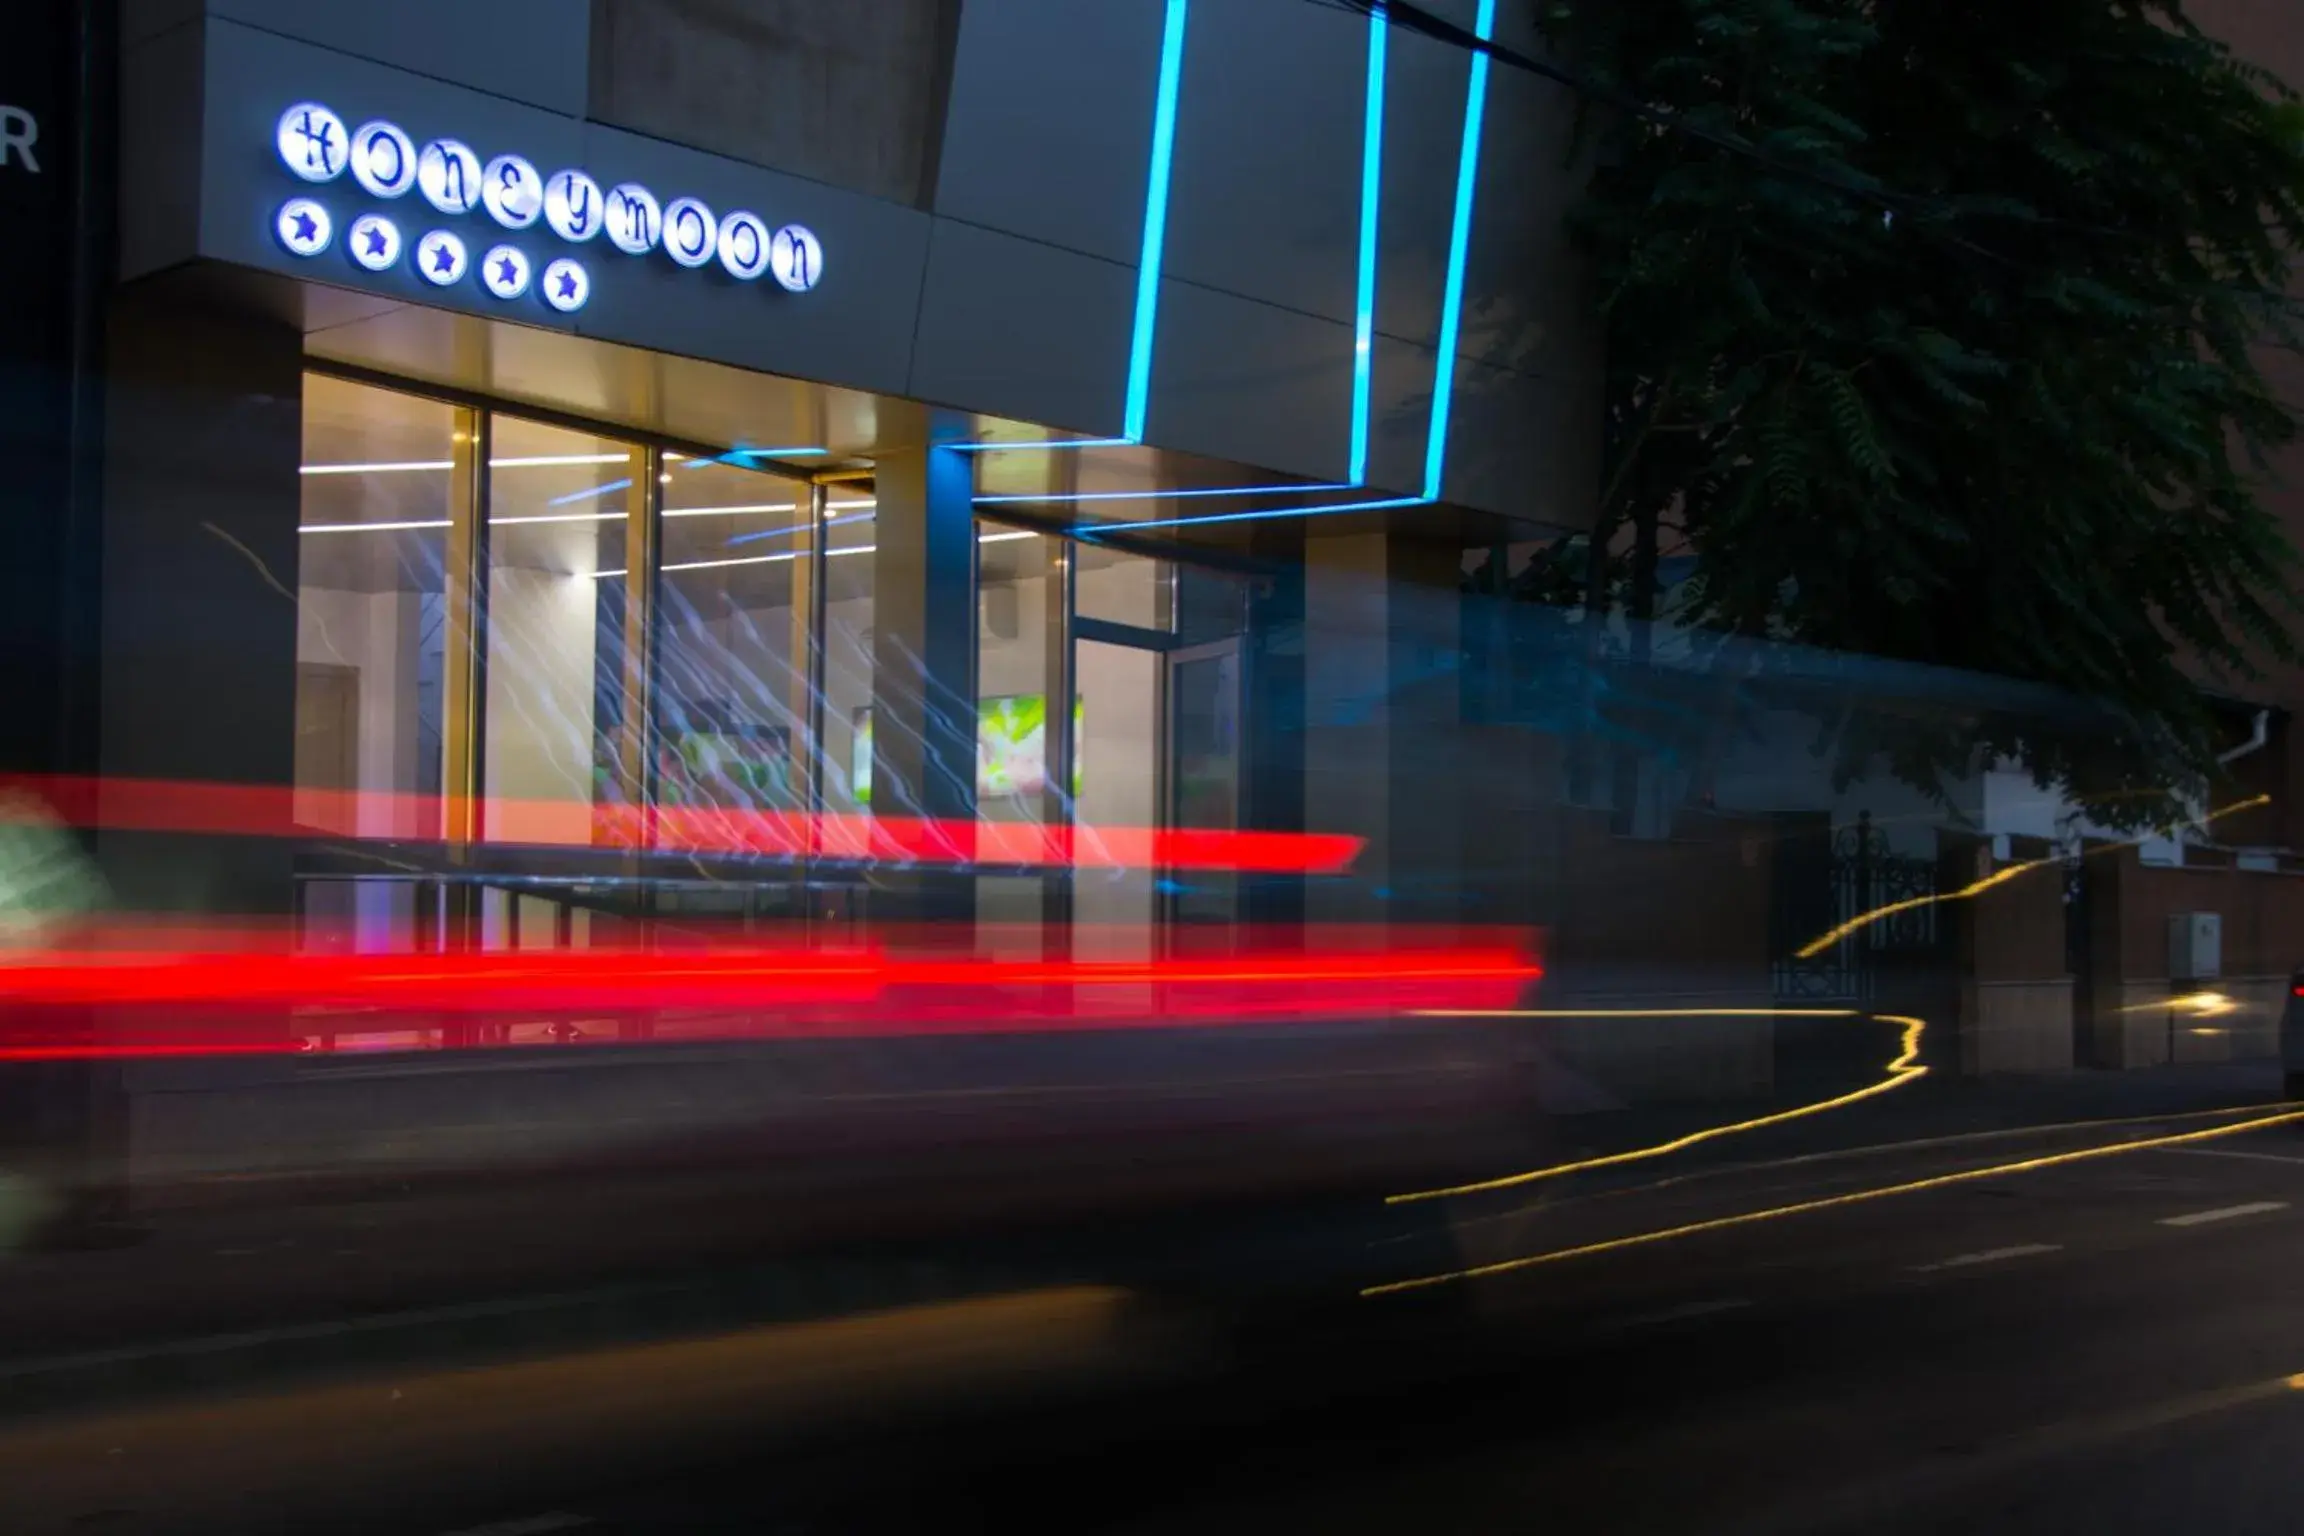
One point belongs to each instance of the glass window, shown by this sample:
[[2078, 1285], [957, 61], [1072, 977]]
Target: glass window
[[732, 649], [553, 743], [848, 606], [371, 609], [1011, 674], [1125, 589]]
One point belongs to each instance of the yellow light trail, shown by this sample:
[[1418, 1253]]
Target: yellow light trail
[[1826, 1203], [1903, 1069], [1861, 920], [1832, 936]]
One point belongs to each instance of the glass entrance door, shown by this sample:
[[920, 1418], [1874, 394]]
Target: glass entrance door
[[1202, 752], [1118, 762]]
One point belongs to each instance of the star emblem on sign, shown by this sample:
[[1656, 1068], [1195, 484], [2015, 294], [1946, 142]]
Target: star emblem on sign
[[303, 227], [566, 286], [377, 244], [443, 259], [507, 270]]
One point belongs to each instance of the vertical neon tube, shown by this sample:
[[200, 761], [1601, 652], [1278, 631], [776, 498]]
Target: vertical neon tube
[[1155, 222], [1371, 197], [1459, 243]]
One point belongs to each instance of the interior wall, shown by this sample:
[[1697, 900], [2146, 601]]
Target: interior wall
[[540, 730]]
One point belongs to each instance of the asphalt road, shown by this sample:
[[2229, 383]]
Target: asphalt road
[[2105, 1345], [1949, 1322]]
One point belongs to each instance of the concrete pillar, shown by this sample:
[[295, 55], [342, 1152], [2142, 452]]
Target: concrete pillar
[[924, 664], [198, 634], [1382, 722]]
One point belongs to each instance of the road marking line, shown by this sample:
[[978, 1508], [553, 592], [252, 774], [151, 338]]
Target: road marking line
[[1905, 1068], [2225, 1213], [1827, 1203], [1988, 1256], [2254, 1157], [533, 1525]]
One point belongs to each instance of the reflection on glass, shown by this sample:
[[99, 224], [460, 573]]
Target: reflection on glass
[[371, 609], [1204, 690], [1011, 677], [558, 506], [1125, 589], [1116, 911], [732, 671], [848, 610]]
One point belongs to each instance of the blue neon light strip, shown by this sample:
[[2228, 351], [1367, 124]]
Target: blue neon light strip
[[1056, 498], [1155, 222], [742, 457], [1371, 198], [1257, 515], [610, 489], [1451, 305], [1459, 244], [1451, 320], [786, 533], [1039, 446]]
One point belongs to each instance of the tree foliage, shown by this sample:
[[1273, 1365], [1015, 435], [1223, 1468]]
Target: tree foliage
[[1937, 329]]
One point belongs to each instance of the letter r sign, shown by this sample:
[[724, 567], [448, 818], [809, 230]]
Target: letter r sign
[[19, 131]]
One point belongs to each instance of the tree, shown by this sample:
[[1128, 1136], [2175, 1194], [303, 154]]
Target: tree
[[1934, 332]]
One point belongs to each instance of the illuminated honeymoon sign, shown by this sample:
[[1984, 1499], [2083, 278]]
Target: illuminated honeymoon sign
[[450, 176]]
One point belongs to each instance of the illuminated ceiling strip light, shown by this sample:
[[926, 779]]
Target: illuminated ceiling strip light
[[551, 460], [1459, 244], [1052, 498], [559, 517], [1155, 221], [793, 554], [369, 527], [1371, 196], [442, 466], [750, 508]]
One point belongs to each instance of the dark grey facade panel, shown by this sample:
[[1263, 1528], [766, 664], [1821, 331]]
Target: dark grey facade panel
[[534, 51], [1251, 382], [1269, 124], [161, 141], [1426, 86], [252, 76], [1521, 270], [849, 92], [1024, 330], [855, 328], [1522, 445], [1029, 308], [1399, 413], [143, 19], [1050, 129]]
